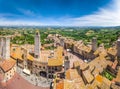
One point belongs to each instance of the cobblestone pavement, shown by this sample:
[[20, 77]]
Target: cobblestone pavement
[[33, 79]]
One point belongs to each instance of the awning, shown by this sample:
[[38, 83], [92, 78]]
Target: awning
[[26, 71]]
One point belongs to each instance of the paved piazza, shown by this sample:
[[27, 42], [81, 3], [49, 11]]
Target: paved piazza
[[33, 79], [18, 82]]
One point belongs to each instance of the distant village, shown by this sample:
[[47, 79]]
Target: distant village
[[70, 65]]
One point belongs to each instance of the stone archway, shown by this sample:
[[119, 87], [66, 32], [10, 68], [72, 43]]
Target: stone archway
[[43, 73]]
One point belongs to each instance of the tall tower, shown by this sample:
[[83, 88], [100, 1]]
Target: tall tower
[[25, 52], [94, 44], [62, 42], [37, 45], [5, 47], [1, 46], [118, 48]]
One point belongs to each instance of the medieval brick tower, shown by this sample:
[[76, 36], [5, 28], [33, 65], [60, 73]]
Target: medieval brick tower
[[37, 45], [94, 44], [5, 47], [118, 48]]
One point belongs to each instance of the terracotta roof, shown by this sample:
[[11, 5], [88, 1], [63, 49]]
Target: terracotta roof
[[65, 84], [55, 62], [100, 51], [118, 76], [84, 66], [112, 51], [99, 78], [86, 48], [6, 65], [17, 54], [83, 47], [76, 64], [103, 53], [69, 41], [72, 74], [29, 57], [60, 85], [114, 86], [96, 52], [114, 64], [89, 77], [100, 82], [99, 63], [68, 84], [103, 82]]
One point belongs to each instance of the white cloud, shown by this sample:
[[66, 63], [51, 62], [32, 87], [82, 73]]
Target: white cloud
[[26, 12], [109, 16], [106, 16]]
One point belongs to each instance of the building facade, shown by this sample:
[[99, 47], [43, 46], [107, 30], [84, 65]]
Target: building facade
[[7, 64]]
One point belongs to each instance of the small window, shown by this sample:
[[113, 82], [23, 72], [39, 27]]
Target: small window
[[49, 68], [36, 33], [43, 67], [52, 68], [56, 68]]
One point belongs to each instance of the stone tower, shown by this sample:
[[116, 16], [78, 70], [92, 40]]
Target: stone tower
[[118, 48], [25, 58], [5, 47], [37, 45], [94, 44], [62, 42], [1, 46], [66, 63]]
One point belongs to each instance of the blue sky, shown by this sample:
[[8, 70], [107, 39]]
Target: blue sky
[[60, 12]]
